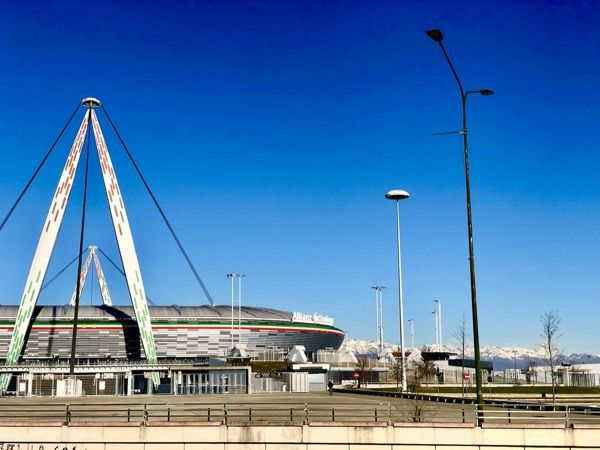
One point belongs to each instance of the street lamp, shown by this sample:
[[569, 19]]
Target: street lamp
[[379, 314], [397, 195], [438, 325], [437, 36], [232, 277], [412, 334]]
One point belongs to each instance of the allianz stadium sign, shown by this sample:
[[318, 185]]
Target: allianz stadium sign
[[312, 318]]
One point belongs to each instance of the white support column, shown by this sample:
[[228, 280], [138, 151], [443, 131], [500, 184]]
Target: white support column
[[129, 383], [43, 252], [126, 248], [29, 384]]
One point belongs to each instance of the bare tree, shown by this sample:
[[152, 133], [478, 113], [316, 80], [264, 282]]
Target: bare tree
[[423, 370], [460, 334], [363, 367], [417, 409], [550, 336], [396, 367], [531, 365]]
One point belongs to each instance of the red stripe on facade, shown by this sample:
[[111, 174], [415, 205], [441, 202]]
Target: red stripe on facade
[[175, 328]]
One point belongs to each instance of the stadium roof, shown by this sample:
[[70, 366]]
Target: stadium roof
[[102, 312]]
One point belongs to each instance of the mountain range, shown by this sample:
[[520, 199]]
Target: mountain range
[[502, 357]]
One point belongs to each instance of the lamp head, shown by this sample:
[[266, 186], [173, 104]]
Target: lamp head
[[486, 92], [396, 194], [90, 102], [436, 35]]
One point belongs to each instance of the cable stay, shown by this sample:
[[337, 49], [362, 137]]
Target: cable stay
[[81, 237], [60, 272], [72, 261], [160, 210], [120, 271], [39, 167]]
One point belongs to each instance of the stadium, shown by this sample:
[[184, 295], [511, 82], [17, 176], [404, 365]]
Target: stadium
[[193, 346], [179, 332], [107, 349], [50, 350]]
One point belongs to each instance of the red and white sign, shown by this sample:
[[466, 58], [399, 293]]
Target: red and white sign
[[356, 375], [467, 376]]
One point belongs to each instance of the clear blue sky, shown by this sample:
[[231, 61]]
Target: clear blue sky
[[271, 130]]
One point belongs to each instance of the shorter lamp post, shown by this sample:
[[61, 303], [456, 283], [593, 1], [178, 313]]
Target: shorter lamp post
[[397, 195]]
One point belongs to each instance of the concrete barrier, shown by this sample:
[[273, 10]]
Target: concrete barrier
[[315, 436]]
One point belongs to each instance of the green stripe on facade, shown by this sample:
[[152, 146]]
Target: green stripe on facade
[[158, 323]]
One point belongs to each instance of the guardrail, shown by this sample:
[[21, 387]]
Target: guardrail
[[292, 413], [471, 401]]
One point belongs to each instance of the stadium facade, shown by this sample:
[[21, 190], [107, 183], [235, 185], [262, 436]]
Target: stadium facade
[[179, 332], [192, 343]]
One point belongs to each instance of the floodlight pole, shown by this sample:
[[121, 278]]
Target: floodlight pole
[[437, 36], [397, 195], [231, 276], [379, 317]]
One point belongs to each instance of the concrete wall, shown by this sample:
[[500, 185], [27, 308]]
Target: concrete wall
[[316, 436]]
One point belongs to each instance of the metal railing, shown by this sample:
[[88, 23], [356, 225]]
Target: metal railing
[[283, 413]]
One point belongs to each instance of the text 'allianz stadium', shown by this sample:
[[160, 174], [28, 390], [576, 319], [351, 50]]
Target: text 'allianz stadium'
[[179, 331]]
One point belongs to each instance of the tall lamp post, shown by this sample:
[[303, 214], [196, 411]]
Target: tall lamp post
[[437, 36], [398, 195], [232, 277], [379, 314], [412, 334]]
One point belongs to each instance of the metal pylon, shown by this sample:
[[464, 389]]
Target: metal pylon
[[49, 234], [101, 280]]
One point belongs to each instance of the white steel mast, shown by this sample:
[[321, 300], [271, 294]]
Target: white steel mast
[[101, 280], [49, 234]]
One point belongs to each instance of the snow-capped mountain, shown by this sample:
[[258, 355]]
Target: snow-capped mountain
[[502, 357]]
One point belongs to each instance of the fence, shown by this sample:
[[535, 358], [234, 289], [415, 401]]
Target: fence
[[297, 413], [268, 385]]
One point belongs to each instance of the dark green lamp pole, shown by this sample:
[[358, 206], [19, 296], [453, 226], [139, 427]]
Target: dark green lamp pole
[[437, 36]]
